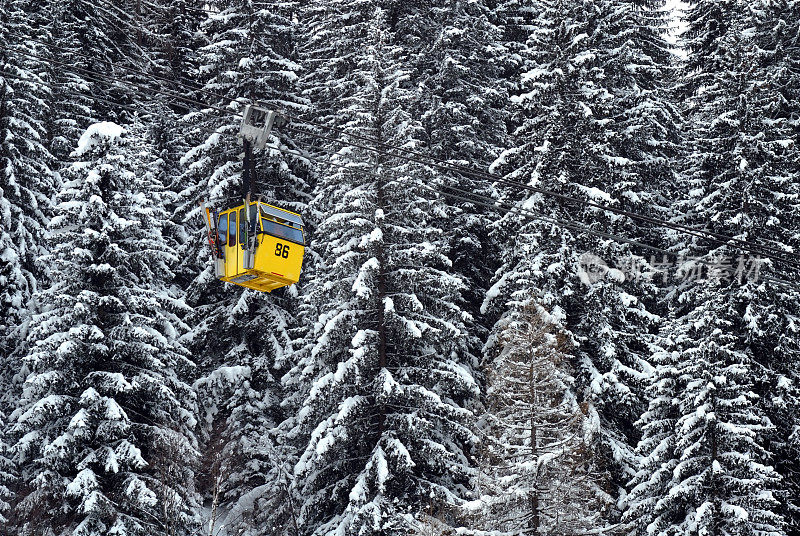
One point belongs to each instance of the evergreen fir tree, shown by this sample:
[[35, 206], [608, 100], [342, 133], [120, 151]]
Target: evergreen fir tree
[[657, 461], [461, 104], [594, 124], [243, 461], [247, 474], [732, 331], [385, 423], [26, 181], [26, 187], [719, 479], [242, 337], [777, 103], [103, 429]]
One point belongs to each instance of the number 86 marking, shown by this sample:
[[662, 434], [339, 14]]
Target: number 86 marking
[[282, 250]]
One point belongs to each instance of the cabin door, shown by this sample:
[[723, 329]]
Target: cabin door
[[232, 256]]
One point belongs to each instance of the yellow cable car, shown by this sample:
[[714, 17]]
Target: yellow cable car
[[262, 249]]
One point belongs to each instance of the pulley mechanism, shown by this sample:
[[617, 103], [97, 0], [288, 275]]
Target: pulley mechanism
[[257, 123]]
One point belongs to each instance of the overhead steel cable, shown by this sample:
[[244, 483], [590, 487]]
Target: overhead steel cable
[[504, 207], [132, 24], [121, 16], [482, 200], [444, 165], [501, 206], [485, 201], [231, 112], [96, 77], [105, 78], [50, 84], [183, 84], [139, 90], [742, 245]]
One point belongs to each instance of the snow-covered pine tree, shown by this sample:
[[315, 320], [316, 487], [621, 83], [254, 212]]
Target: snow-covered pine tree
[[87, 46], [538, 474], [732, 373], [26, 182], [241, 337], [26, 187], [704, 468], [656, 450], [103, 429], [247, 470], [385, 426], [461, 102], [778, 104], [594, 123]]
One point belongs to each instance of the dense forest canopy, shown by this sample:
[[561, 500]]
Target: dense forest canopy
[[549, 285]]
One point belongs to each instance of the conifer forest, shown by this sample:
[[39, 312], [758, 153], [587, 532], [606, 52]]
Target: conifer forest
[[549, 287]]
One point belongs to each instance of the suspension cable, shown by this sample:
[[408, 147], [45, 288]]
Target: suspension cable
[[504, 207], [229, 111], [444, 165]]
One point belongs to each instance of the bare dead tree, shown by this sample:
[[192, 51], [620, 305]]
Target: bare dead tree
[[538, 469]]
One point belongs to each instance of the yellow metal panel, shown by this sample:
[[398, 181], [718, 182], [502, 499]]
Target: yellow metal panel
[[279, 258]]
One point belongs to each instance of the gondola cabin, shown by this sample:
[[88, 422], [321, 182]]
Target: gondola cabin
[[262, 250]]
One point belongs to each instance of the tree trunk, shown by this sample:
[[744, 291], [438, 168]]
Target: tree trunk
[[535, 521]]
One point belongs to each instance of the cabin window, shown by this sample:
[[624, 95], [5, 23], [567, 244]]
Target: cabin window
[[232, 229], [222, 230], [253, 218], [242, 226], [282, 216], [285, 232]]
